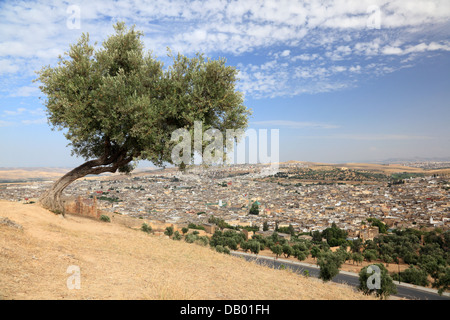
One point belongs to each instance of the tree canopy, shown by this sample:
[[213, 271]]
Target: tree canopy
[[118, 103]]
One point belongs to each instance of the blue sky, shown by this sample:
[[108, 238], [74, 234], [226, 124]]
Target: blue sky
[[342, 80]]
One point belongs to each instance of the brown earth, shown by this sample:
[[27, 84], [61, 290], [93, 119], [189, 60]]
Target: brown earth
[[37, 248]]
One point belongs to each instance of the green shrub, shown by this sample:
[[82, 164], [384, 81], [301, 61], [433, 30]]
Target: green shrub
[[105, 218], [203, 241], [177, 236], [146, 228], [190, 238], [169, 231]]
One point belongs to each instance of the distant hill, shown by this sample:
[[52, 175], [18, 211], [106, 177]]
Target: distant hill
[[44, 173], [117, 262]]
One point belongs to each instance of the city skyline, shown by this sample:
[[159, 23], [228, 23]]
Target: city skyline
[[342, 81]]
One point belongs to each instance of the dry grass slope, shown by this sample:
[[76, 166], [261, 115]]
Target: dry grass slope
[[117, 262]]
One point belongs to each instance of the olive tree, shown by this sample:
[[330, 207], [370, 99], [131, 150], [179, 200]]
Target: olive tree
[[118, 104], [376, 279], [329, 264]]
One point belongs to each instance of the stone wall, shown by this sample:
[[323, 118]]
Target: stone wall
[[83, 207]]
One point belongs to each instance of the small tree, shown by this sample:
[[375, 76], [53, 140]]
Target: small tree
[[277, 250], [315, 252], [442, 283], [329, 264], [177, 236], [287, 250], [387, 259], [379, 283], [255, 246], [254, 209], [169, 231], [300, 255], [370, 255], [146, 228], [412, 275], [245, 246], [105, 218], [357, 257], [316, 237], [190, 238]]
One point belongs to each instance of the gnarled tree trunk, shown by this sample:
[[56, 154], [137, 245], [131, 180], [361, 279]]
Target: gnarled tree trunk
[[51, 199]]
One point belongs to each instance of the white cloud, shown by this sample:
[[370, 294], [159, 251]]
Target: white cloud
[[4, 123], [286, 53], [421, 47], [16, 112], [6, 66], [305, 57], [26, 91], [34, 121], [309, 36]]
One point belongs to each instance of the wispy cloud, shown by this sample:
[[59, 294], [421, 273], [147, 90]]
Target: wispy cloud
[[323, 45], [16, 112], [4, 123], [25, 91], [35, 121], [22, 116]]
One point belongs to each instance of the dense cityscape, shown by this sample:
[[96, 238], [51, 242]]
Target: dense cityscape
[[283, 199]]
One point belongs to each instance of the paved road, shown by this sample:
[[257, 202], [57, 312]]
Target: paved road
[[404, 290]]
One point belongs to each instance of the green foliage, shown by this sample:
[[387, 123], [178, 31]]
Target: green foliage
[[190, 238], [329, 263], [287, 250], [254, 209], [334, 235], [119, 103], [315, 252], [370, 255], [105, 218], [300, 255], [146, 228], [222, 249], [377, 223], [196, 227], [412, 275], [254, 246], [442, 283], [245, 246], [177, 236], [405, 175], [219, 222], [169, 231], [203, 241], [228, 238], [277, 250], [316, 237], [386, 288], [289, 230], [357, 257]]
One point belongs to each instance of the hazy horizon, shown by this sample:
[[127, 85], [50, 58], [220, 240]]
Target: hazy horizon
[[342, 81]]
